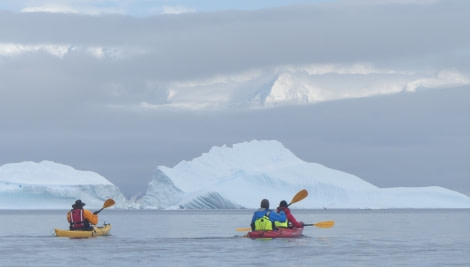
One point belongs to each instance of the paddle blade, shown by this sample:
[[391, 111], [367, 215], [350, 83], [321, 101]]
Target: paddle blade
[[243, 229], [108, 203], [299, 196], [325, 224]]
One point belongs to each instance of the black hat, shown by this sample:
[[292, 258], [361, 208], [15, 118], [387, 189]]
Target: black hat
[[265, 204], [78, 204], [283, 204]]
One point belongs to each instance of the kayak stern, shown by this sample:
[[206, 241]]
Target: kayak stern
[[97, 231], [279, 233]]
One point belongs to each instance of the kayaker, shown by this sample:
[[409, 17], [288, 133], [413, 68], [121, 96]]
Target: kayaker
[[80, 218], [264, 219], [290, 221]]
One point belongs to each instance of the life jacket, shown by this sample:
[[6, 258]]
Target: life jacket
[[284, 224], [77, 221], [264, 223]]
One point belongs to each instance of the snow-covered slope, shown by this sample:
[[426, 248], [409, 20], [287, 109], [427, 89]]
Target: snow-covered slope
[[50, 185], [320, 83], [242, 175]]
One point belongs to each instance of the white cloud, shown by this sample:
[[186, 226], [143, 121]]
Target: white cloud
[[11, 49], [50, 9], [176, 10], [306, 84], [444, 78], [134, 8], [319, 83], [60, 50]]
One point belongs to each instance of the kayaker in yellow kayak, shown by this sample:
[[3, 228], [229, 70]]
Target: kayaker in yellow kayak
[[264, 218], [290, 219], [80, 218]]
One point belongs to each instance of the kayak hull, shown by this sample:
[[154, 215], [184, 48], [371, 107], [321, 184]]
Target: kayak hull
[[97, 231], [279, 233]]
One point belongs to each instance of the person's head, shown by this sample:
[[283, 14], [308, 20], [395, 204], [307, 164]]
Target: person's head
[[78, 204], [283, 204], [265, 204]]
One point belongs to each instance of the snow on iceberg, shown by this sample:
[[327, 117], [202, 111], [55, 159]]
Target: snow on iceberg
[[241, 175], [50, 185]]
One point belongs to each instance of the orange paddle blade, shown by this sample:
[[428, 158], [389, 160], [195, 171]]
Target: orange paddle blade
[[299, 196], [325, 224], [108, 203], [243, 229]]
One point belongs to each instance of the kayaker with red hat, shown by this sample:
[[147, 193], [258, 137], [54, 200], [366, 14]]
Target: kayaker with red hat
[[291, 221], [264, 219], [80, 218]]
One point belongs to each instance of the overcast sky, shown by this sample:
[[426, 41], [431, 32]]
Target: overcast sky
[[122, 87]]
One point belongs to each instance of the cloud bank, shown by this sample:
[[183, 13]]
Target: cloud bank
[[98, 90]]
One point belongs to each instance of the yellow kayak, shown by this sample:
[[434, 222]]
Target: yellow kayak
[[97, 231]]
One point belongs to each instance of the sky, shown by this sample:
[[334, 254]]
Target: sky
[[378, 89]]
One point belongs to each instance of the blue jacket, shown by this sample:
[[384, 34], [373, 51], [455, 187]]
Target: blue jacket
[[273, 216]]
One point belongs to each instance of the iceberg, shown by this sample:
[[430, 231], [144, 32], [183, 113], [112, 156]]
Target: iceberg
[[50, 185], [226, 177], [241, 175]]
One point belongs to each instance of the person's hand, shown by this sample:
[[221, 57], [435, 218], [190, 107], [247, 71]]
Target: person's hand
[[303, 224]]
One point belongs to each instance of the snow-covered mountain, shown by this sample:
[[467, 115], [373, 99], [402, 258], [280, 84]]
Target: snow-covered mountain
[[319, 83], [241, 175], [50, 185]]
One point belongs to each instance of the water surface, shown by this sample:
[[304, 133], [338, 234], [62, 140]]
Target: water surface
[[203, 238]]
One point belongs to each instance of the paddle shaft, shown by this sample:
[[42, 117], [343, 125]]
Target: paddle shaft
[[325, 224], [98, 211]]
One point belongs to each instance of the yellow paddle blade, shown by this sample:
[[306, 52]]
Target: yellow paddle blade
[[108, 203], [243, 229], [299, 196], [325, 224]]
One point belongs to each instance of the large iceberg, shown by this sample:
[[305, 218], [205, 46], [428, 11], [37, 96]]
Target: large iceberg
[[50, 185], [241, 175], [224, 178]]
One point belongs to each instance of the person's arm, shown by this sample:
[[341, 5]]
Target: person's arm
[[294, 222], [92, 218], [281, 216], [68, 216]]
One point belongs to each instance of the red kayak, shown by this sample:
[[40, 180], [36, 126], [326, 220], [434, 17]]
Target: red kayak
[[279, 233]]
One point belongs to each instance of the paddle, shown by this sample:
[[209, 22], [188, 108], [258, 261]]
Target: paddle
[[107, 203], [243, 229], [298, 197], [325, 224]]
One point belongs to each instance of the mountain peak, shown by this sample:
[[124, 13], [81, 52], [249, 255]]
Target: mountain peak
[[287, 90]]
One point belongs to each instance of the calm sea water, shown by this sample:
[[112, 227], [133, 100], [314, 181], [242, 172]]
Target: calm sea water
[[209, 238]]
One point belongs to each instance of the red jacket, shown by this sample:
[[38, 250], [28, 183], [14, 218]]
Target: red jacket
[[290, 217]]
